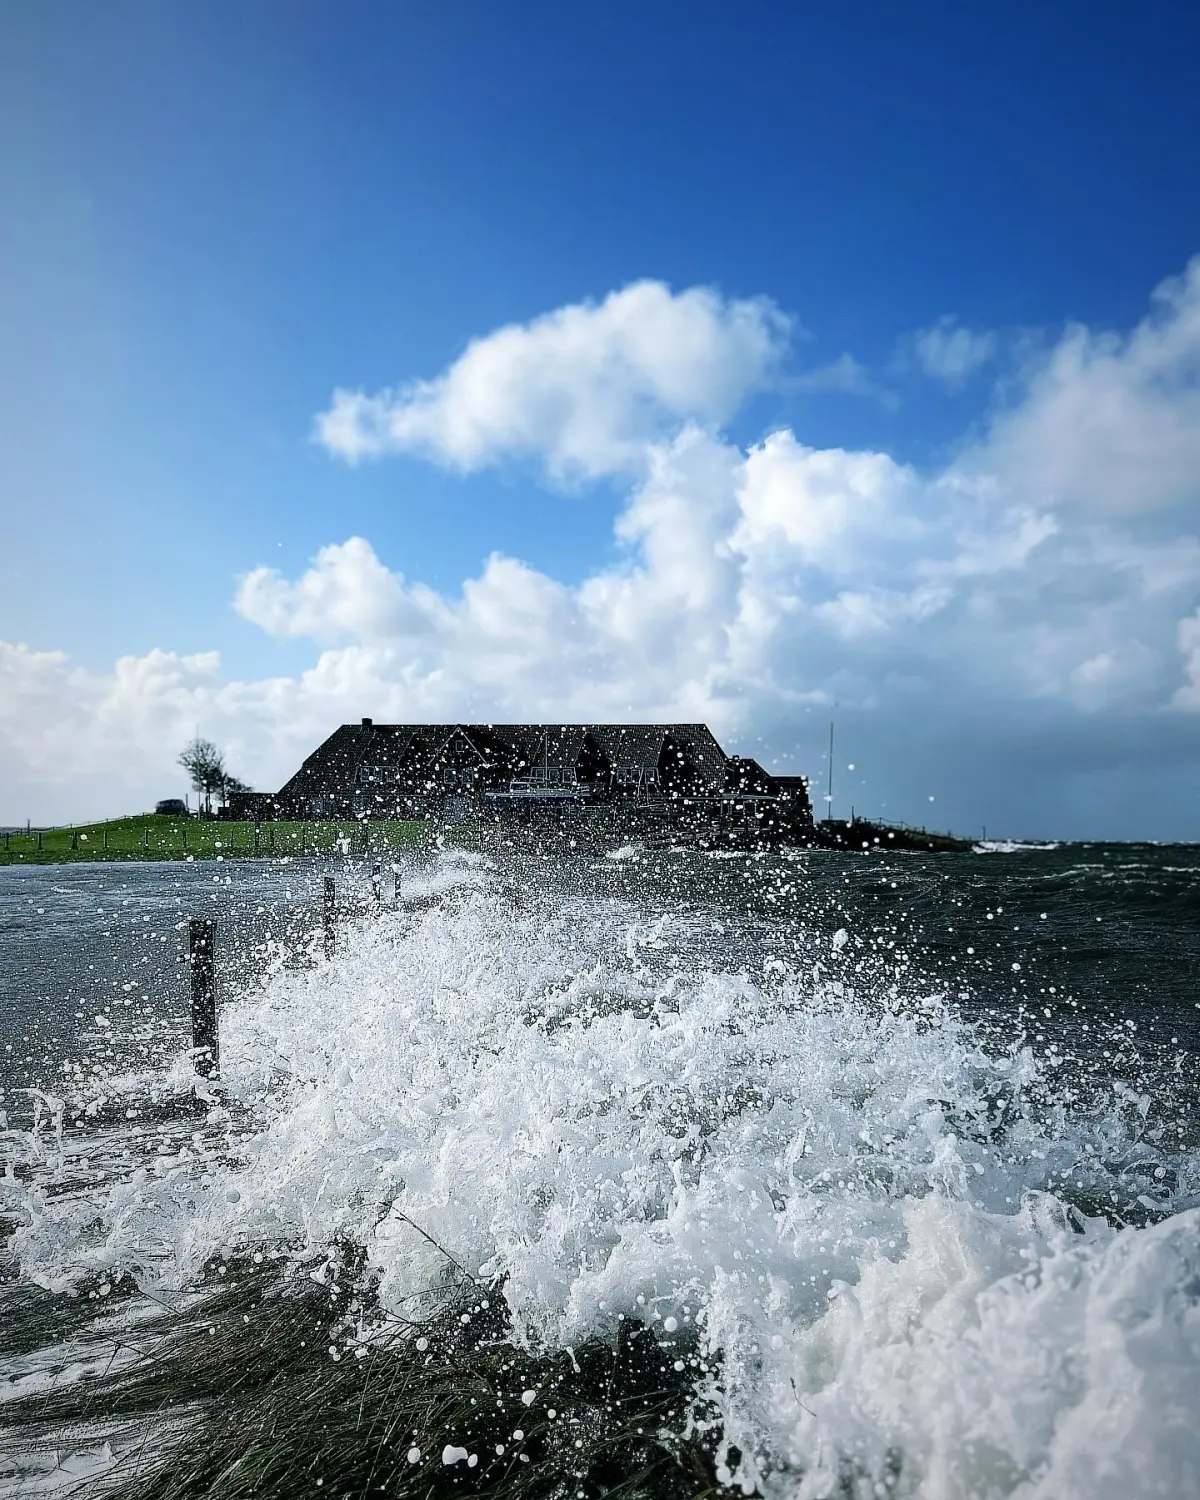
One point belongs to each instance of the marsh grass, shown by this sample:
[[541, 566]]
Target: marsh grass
[[270, 1382]]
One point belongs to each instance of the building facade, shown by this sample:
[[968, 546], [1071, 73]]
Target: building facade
[[460, 772]]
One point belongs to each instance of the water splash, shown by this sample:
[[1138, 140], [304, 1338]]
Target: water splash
[[891, 1255]]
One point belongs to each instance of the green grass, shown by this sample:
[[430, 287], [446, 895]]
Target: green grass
[[151, 836]]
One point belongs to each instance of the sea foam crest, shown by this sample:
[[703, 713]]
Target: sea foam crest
[[832, 1206]]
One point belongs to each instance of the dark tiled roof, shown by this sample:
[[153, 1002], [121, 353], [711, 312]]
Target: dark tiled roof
[[516, 748]]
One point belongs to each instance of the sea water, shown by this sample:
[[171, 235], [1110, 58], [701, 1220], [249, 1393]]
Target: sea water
[[901, 1151]]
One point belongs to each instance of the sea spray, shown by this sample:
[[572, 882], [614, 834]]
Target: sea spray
[[883, 1253]]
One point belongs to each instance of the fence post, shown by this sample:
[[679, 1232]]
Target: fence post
[[377, 882], [202, 953], [39, 840], [396, 877], [104, 839], [330, 912]]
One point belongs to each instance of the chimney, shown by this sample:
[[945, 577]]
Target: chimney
[[366, 723]]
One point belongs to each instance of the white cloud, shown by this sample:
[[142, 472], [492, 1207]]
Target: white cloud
[[70, 737], [1109, 424], [1188, 641], [825, 509], [584, 388], [754, 583], [844, 376], [346, 593], [951, 353]]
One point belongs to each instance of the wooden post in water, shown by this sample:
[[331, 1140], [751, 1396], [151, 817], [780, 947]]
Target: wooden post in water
[[330, 914], [396, 876], [377, 882], [202, 954]]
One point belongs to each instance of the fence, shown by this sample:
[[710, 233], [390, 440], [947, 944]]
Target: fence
[[202, 955]]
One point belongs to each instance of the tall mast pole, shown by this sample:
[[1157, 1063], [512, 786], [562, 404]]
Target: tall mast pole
[[829, 798]]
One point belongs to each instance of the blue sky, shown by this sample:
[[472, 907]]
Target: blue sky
[[219, 215]]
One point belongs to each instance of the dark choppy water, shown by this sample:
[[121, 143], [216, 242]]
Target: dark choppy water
[[910, 1138], [93, 974]]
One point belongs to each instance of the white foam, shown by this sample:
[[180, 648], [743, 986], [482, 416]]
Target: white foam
[[455, 868], [814, 1182], [1009, 846], [26, 1475]]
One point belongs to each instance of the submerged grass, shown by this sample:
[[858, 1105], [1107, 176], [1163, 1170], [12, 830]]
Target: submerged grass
[[268, 1382]]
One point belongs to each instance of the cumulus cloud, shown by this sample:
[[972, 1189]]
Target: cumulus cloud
[[1108, 423], [999, 607], [346, 593], [782, 573], [950, 353], [583, 389], [67, 735]]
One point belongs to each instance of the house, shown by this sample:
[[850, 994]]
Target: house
[[455, 772]]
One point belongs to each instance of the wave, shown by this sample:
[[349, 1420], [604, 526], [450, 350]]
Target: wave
[[894, 1258], [1010, 846]]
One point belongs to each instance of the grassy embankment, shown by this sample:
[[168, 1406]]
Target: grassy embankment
[[151, 836]]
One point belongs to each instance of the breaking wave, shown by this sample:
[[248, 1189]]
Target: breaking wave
[[893, 1259]]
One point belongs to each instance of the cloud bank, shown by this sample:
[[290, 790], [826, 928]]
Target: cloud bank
[[1022, 624]]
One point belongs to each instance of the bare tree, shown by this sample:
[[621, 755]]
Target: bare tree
[[205, 765]]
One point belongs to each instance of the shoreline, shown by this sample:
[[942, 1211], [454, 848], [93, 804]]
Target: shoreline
[[155, 840]]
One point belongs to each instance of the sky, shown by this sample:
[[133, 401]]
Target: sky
[[768, 365]]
